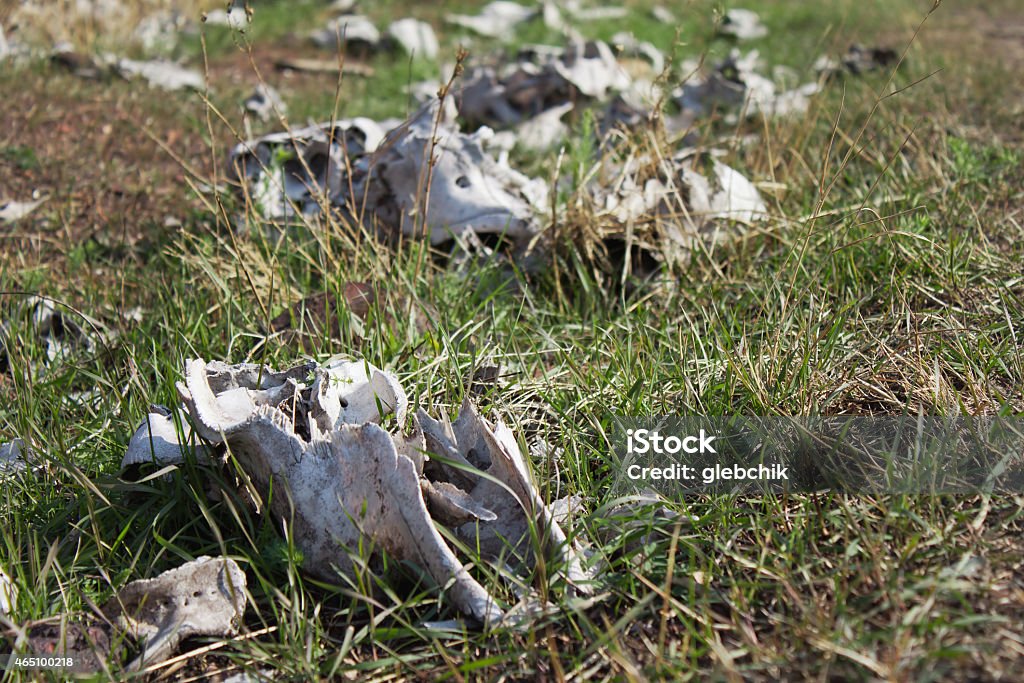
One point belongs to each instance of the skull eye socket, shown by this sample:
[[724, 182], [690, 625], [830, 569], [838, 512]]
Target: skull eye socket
[[462, 181]]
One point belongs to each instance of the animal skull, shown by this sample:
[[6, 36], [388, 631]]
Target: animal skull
[[346, 483]]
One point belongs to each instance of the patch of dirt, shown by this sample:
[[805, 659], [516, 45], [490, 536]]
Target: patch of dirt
[[85, 144]]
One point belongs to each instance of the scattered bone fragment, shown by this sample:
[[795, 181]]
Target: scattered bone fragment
[[343, 6], [551, 15], [736, 84], [580, 13], [501, 507], [323, 66], [158, 73], [265, 102], [63, 335], [204, 597], [12, 211], [542, 77], [354, 32], [415, 37], [160, 32], [544, 130], [300, 171], [157, 440], [858, 60], [8, 591], [592, 68], [675, 205], [496, 20], [234, 17], [12, 457], [629, 46], [663, 14], [742, 24]]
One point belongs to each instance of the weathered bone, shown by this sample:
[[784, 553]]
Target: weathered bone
[[350, 486], [8, 593], [353, 30], [742, 24], [204, 597], [416, 38], [735, 83], [158, 73], [303, 168], [502, 501], [157, 440], [265, 102], [468, 190], [496, 19]]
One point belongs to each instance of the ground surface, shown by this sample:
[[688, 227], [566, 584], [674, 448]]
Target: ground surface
[[898, 288]]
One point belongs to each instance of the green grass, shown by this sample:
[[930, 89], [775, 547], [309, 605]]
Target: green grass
[[897, 288]]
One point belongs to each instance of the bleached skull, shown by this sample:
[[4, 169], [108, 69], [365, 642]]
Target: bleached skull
[[314, 436]]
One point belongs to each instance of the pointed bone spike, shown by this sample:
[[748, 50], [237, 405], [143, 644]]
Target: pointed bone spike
[[214, 415]]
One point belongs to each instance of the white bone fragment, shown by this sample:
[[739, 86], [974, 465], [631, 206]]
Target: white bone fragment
[[595, 13], [12, 457], [158, 73], [663, 14], [12, 211], [507, 491], [736, 84], [727, 195], [496, 20], [157, 440], [544, 130], [631, 47], [352, 30], [235, 17], [415, 37], [742, 24], [354, 392], [265, 102], [592, 69], [8, 593], [204, 597], [304, 168]]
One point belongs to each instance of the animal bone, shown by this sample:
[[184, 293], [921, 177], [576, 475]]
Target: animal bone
[[355, 32], [468, 190], [302, 168], [158, 73], [156, 440], [13, 211], [8, 593], [742, 24], [735, 84], [415, 37], [338, 488], [496, 19], [346, 483], [501, 507], [204, 597], [265, 102]]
